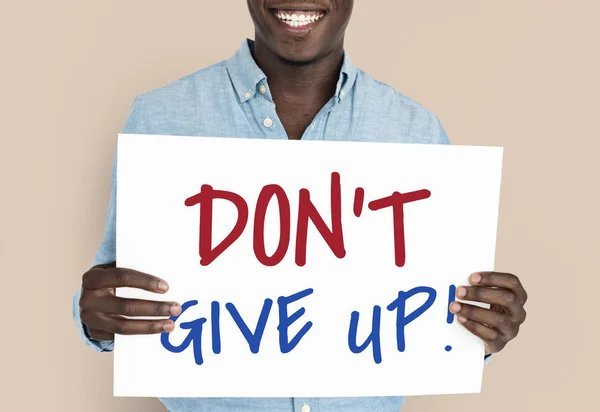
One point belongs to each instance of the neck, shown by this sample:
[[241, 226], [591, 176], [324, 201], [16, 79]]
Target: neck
[[300, 82]]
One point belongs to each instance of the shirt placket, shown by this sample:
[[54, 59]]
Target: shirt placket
[[267, 119], [270, 124]]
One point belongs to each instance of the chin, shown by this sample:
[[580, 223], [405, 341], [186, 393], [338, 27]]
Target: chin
[[299, 54], [300, 59]]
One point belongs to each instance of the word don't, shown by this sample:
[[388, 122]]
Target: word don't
[[306, 212]]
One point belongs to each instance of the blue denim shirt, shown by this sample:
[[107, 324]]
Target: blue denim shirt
[[232, 99]]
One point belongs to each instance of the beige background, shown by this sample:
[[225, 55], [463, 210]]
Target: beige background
[[518, 73]]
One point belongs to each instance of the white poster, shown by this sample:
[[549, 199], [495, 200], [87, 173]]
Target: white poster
[[305, 269]]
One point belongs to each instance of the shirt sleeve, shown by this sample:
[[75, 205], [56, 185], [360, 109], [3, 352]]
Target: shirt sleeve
[[107, 251], [439, 135]]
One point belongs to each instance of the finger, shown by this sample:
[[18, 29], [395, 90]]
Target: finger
[[101, 278], [121, 326], [488, 335], [488, 317], [100, 335], [500, 297], [133, 307], [500, 280]]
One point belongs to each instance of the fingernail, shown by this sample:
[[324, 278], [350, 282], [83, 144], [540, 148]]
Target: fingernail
[[461, 292], [175, 309], [168, 326], [475, 278], [455, 307], [461, 319], [163, 286]]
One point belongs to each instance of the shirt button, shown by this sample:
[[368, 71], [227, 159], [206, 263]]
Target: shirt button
[[247, 95], [268, 123], [305, 408], [262, 89]]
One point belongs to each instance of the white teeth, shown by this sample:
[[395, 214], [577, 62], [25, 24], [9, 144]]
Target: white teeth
[[297, 19]]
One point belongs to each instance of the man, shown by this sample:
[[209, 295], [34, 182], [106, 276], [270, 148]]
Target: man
[[313, 92]]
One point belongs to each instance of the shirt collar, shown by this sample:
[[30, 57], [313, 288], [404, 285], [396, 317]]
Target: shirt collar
[[347, 79], [246, 76]]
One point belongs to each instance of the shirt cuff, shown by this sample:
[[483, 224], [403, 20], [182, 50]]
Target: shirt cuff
[[98, 346]]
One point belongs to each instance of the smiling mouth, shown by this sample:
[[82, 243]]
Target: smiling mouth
[[299, 18]]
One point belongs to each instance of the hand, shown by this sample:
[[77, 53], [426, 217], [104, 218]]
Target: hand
[[102, 312], [500, 323]]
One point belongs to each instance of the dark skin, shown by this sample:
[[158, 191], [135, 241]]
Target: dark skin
[[102, 312], [302, 67], [298, 101], [499, 324]]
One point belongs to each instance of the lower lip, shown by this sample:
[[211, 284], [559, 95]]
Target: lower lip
[[301, 29]]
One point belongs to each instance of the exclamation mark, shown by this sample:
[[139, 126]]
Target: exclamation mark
[[450, 315]]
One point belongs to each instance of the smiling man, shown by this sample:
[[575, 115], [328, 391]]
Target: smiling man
[[294, 81]]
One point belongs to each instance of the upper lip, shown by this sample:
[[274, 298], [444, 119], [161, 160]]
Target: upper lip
[[298, 7]]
